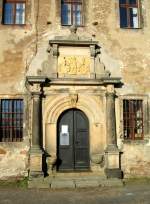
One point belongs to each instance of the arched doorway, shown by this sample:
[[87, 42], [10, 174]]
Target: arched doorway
[[73, 141]]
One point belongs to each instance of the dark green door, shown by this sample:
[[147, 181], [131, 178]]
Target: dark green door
[[73, 141]]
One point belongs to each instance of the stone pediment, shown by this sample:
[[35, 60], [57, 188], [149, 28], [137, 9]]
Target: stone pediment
[[74, 57]]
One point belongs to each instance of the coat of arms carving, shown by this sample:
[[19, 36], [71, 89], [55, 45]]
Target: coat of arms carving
[[74, 65]]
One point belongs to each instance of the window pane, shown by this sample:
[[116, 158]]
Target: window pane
[[11, 120], [77, 17], [123, 17], [134, 18], [133, 119], [20, 13], [122, 1], [132, 1], [8, 13], [66, 14]]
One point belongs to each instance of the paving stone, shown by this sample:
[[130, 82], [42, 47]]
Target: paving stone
[[58, 184]]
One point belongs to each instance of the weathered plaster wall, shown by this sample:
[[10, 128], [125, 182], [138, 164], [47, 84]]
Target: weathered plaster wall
[[136, 160], [13, 161], [18, 46], [125, 52]]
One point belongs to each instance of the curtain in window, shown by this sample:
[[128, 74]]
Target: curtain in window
[[14, 12], [77, 14], [71, 12], [129, 13], [20, 13]]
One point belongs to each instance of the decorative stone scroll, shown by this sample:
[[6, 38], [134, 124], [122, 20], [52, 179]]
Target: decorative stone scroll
[[74, 65]]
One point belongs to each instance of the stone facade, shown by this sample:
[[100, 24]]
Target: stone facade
[[118, 68]]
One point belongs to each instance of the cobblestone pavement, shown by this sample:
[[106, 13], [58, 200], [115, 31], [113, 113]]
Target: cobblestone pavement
[[130, 194]]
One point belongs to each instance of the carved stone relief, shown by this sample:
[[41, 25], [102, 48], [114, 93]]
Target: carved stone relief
[[73, 99], [74, 65]]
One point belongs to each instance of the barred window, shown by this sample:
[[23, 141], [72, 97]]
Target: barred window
[[14, 12], [72, 12], [133, 119], [11, 120], [129, 13]]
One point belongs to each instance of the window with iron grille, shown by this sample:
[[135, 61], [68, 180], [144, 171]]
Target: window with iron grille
[[72, 12], [14, 12], [129, 13], [11, 120], [133, 119]]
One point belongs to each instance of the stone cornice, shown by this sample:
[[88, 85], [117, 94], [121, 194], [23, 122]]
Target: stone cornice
[[73, 42], [111, 80], [92, 82], [36, 79], [73, 81]]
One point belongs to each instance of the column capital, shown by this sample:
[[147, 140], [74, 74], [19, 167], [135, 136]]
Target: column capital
[[110, 94], [36, 83], [36, 79], [35, 89], [110, 88]]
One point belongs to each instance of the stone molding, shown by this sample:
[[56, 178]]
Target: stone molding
[[62, 103]]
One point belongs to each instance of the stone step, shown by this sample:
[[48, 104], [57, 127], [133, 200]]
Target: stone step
[[76, 182], [59, 184], [77, 174]]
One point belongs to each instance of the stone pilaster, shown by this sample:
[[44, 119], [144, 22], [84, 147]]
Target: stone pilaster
[[112, 153], [36, 144], [55, 60], [36, 121], [93, 54], [111, 121]]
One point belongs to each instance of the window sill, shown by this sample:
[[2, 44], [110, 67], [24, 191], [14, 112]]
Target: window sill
[[78, 26], [15, 26], [137, 141], [129, 28]]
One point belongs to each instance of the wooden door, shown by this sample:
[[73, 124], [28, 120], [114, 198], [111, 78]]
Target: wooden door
[[73, 141]]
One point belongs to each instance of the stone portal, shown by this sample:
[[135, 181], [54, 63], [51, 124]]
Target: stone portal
[[75, 86]]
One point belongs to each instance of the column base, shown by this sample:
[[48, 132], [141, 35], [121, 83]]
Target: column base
[[51, 162], [111, 148], [114, 173], [36, 155], [113, 162]]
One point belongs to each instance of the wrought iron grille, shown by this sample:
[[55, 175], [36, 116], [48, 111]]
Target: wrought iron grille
[[11, 120], [133, 119]]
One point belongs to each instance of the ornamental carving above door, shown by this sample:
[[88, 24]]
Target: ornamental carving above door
[[73, 65]]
